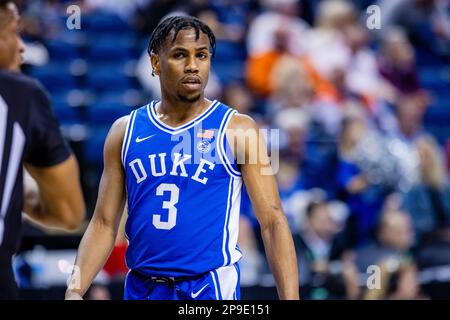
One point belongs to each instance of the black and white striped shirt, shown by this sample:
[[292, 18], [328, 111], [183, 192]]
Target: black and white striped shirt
[[29, 133]]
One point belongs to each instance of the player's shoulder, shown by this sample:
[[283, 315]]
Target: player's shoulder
[[119, 126], [115, 137], [238, 120], [242, 121]]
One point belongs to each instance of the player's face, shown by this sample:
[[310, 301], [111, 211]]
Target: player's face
[[183, 66], [11, 45]]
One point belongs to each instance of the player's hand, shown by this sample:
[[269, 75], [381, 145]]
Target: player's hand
[[71, 295]]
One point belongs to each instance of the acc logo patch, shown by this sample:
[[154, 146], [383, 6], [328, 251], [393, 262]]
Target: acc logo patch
[[203, 146]]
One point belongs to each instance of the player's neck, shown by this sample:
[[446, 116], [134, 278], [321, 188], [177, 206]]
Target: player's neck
[[175, 112]]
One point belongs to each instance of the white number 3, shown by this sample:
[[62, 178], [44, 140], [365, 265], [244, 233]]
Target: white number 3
[[169, 205]]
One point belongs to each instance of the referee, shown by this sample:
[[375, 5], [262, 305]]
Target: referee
[[30, 137]]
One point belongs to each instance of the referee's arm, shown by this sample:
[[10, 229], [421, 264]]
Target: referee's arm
[[59, 200]]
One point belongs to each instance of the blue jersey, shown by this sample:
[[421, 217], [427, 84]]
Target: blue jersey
[[184, 193]]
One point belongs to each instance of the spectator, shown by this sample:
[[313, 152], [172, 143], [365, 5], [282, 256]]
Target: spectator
[[294, 126], [399, 281], [237, 96], [426, 22], [428, 201], [319, 251], [264, 30], [362, 72], [292, 84], [346, 68], [365, 175], [293, 195], [408, 127], [394, 240], [326, 47], [233, 32], [265, 68], [317, 234], [397, 62], [409, 110]]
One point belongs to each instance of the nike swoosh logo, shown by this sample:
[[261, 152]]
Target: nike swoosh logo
[[143, 139], [195, 295]]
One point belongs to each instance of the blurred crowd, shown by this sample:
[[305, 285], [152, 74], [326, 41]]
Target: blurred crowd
[[363, 115]]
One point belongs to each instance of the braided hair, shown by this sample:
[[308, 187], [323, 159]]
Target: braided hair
[[178, 23]]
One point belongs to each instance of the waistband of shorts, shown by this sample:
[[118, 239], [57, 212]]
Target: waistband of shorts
[[164, 279]]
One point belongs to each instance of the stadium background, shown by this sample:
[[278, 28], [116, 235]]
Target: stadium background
[[364, 120]]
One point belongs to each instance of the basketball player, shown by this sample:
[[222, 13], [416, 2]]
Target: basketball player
[[30, 135], [172, 161]]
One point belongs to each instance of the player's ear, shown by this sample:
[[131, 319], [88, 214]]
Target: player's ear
[[155, 64]]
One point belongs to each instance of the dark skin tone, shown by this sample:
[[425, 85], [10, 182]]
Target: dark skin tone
[[183, 68]]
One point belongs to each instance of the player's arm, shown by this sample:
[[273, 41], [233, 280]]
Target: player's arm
[[263, 192], [54, 198], [100, 235]]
